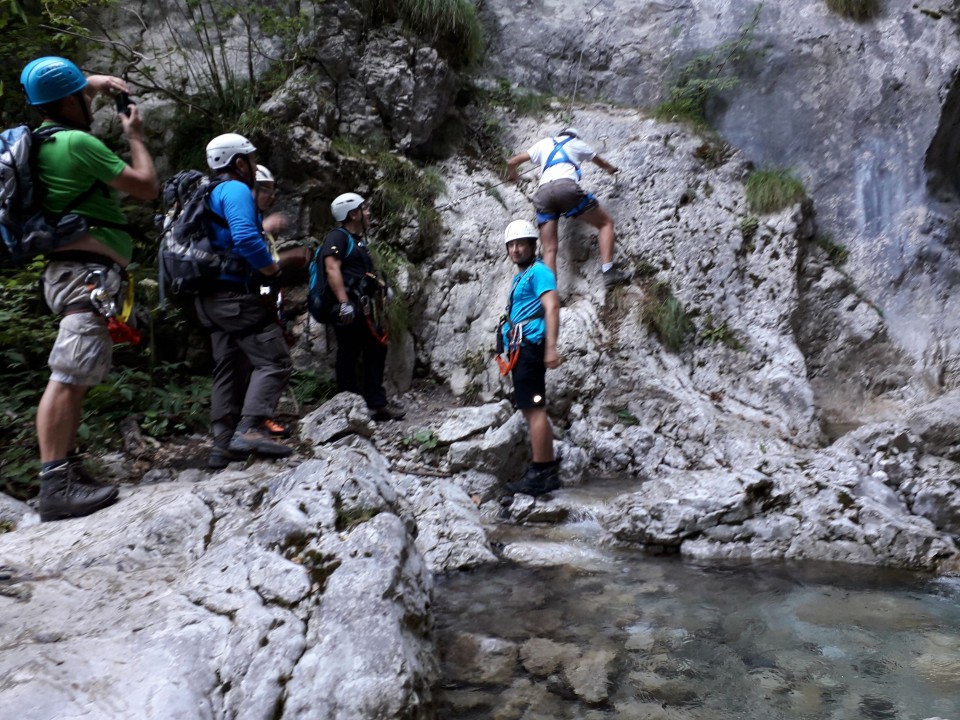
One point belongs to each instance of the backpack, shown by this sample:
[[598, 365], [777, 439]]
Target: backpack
[[187, 260], [321, 303], [26, 229]]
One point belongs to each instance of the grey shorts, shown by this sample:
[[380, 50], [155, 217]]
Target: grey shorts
[[561, 197], [82, 352]]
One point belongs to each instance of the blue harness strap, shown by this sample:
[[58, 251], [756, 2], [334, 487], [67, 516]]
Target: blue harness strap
[[559, 155]]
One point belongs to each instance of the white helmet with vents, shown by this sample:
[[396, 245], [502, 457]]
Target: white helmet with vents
[[224, 148], [344, 204], [520, 230]]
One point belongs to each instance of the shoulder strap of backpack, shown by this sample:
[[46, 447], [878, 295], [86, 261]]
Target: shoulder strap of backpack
[[46, 134], [351, 243]]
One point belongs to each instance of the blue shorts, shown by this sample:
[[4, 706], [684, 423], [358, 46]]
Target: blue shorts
[[530, 378]]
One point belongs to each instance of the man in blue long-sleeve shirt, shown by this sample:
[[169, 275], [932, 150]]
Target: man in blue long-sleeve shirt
[[252, 359]]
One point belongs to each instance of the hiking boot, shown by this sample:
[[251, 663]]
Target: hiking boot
[[80, 474], [388, 412], [537, 481], [62, 496], [257, 440], [220, 457], [276, 429], [614, 276]]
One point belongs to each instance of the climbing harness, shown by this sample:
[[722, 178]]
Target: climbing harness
[[559, 156], [515, 333], [106, 305], [373, 310]]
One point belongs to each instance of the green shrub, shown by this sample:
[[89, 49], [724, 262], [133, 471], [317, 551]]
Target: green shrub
[[705, 76], [855, 9], [452, 25], [837, 253], [772, 190], [666, 316]]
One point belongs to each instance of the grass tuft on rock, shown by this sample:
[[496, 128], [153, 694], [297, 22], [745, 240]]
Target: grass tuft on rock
[[855, 9], [771, 190], [666, 316]]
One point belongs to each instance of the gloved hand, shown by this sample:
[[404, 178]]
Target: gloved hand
[[346, 313]]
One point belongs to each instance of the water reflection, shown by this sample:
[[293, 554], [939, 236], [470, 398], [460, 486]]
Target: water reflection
[[663, 638]]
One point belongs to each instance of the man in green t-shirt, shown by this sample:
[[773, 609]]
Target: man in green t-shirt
[[71, 164]]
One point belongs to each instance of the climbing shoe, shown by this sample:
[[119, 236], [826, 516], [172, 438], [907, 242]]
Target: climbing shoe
[[614, 276], [276, 429], [62, 496], [388, 412], [257, 441], [537, 481]]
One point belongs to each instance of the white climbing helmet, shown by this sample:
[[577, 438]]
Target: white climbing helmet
[[224, 148], [571, 131], [344, 204], [264, 175], [520, 230]]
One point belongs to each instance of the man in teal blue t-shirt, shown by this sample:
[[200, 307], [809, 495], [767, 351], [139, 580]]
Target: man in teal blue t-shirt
[[530, 340]]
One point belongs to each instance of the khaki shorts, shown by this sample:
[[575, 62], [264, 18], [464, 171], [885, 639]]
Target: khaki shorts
[[561, 197], [82, 352]]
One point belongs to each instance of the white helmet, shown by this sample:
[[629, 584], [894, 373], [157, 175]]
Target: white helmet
[[264, 175], [571, 131], [520, 230], [344, 204], [224, 148]]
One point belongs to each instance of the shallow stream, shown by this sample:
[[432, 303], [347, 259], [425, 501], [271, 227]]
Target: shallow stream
[[616, 634]]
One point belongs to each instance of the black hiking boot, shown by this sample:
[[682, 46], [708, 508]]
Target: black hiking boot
[[80, 473], [221, 455], [63, 496], [387, 412], [537, 481]]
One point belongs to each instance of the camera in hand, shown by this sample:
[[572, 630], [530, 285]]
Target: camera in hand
[[123, 103]]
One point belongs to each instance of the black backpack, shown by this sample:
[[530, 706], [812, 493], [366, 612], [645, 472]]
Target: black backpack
[[187, 260], [26, 229]]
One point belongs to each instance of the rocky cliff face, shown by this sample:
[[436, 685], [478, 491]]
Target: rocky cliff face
[[862, 111]]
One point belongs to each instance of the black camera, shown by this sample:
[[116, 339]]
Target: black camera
[[123, 103]]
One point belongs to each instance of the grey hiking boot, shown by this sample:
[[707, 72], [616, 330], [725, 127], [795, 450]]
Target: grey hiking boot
[[63, 496], [257, 440], [537, 481], [614, 276]]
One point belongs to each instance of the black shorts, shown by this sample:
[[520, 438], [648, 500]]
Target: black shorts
[[529, 378]]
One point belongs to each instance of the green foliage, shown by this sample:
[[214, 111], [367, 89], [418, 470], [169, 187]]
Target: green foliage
[[720, 334], [390, 264], [475, 362], [666, 316], [855, 9], [404, 193], [625, 417], [424, 439], [772, 190], [453, 26], [31, 29], [748, 229], [312, 388], [838, 254], [705, 76]]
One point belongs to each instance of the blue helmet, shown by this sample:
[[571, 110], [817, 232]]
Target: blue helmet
[[51, 78]]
